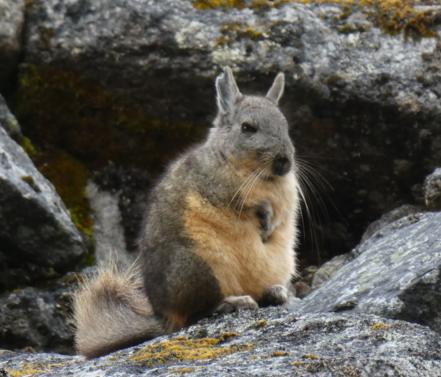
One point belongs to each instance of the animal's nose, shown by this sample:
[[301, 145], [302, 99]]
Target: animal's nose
[[281, 165]]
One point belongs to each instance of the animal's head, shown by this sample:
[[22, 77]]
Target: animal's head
[[251, 131]]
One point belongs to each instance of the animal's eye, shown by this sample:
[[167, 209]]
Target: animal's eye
[[248, 128]]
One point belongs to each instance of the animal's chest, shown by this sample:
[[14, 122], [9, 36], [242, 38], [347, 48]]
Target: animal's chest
[[231, 244]]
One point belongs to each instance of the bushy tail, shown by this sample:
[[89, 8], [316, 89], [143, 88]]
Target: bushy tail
[[112, 312]]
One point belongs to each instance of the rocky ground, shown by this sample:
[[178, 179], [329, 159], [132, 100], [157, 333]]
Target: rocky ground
[[95, 98]]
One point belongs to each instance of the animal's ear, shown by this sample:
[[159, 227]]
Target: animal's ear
[[227, 91], [276, 90]]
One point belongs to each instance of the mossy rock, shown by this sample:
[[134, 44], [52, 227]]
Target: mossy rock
[[75, 126], [393, 16]]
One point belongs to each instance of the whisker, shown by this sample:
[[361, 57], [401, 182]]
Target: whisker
[[243, 185], [250, 190]]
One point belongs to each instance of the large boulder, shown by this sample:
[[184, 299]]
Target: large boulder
[[37, 237], [268, 342], [11, 27], [133, 83], [39, 319], [396, 273]]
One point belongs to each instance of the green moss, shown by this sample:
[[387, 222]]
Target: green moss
[[77, 126], [184, 349], [63, 109], [29, 148], [30, 181], [69, 177]]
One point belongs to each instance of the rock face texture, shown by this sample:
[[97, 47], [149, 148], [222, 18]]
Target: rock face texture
[[432, 190], [38, 318], [11, 27], [362, 97], [270, 342], [106, 93], [395, 273], [37, 237], [9, 122]]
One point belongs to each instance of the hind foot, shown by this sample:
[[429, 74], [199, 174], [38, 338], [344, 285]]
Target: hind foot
[[234, 303], [275, 295]]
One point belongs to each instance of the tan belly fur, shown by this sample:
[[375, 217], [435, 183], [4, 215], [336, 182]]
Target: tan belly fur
[[232, 245]]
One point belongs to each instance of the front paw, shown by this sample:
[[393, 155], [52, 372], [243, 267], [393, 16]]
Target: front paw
[[264, 213], [274, 295], [234, 303]]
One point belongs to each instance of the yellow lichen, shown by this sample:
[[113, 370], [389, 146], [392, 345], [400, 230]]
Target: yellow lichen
[[184, 349], [380, 326], [260, 323], [24, 372], [237, 30], [228, 335], [298, 363], [393, 16], [279, 353], [212, 4], [311, 356], [32, 369]]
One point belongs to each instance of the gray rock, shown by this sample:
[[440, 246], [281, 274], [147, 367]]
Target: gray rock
[[38, 318], [355, 93], [395, 274], [11, 25], [37, 236], [9, 122], [390, 217], [432, 190], [328, 269], [268, 342]]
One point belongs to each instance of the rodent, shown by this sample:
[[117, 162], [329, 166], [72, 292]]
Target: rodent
[[219, 233]]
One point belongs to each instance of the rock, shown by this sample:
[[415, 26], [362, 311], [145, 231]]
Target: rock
[[328, 269], [38, 318], [9, 122], [301, 289], [307, 274], [133, 83], [267, 342], [37, 237], [395, 274], [11, 26], [432, 190], [390, 217]]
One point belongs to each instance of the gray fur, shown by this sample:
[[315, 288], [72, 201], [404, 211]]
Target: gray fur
[[176, 278], [234, 303], [265, 215], [277, 89], [228, 93], [111, 311]]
